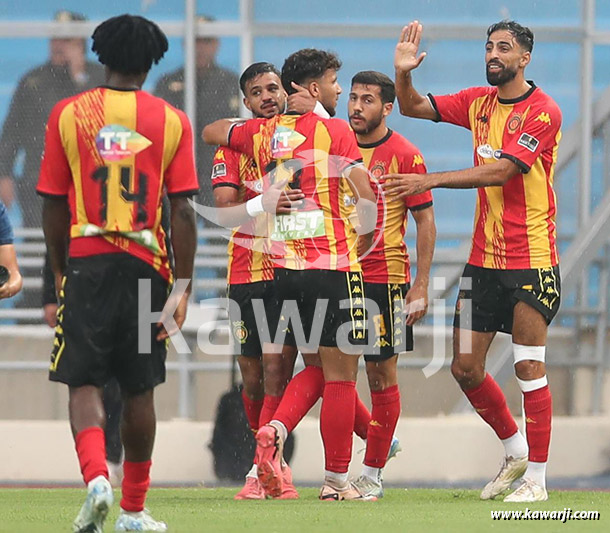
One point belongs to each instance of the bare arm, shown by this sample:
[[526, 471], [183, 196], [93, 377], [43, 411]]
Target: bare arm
[[217, 133], [56, 226], [425, 240], [411, 103], [490, 175], [8, 259]]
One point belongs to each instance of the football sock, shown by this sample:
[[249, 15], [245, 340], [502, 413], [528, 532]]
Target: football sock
[[515, 446], [536, 472], [336, 479], [300, 396], [490, 404], [281, 429], [362, 420], [135, 485], [372, 473], [270, 405], [337, 424], [253, 472], [253, 410], [90, 446], [386, 410], [538, 406]]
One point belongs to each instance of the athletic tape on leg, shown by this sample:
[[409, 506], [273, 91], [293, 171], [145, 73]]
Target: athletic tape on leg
[[528, 353], [532, 384]]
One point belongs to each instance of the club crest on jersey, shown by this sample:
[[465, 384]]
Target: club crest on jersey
[[514, 122], [285, 141], [115, 142], [378, 170], [485, 151]]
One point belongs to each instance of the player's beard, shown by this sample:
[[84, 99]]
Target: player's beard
[[500, 77], [367, 125]]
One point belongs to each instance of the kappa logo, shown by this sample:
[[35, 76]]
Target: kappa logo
[[543, 117], [417, 160], [285, 141], [220, 155]]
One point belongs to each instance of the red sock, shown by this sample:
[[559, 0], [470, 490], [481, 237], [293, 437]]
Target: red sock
[[337, 424], [91, 451], [136, 479], [253, 410], [300, 396], [490, 403], [386, 410], [538, 406], [362, 420], [270, 405]]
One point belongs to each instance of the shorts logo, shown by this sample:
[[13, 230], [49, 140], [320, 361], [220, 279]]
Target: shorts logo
[[240, 332], [485, 151], [379, 322], [543, 117], [219, 170], [528, 141], [514, 122], [378, 170], [285, 141], [115, 142]]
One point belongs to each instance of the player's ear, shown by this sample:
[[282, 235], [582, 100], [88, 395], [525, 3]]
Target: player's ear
[[247, 104], [314, 88], [525, 59], [387, 108]]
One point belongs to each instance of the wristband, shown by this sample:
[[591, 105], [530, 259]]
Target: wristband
[[320, 110], [254, 206]]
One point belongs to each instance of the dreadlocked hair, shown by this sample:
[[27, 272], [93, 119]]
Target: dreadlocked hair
[[129, 44]]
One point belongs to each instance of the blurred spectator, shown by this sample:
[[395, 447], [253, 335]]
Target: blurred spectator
[[66, 73], [217, 97]]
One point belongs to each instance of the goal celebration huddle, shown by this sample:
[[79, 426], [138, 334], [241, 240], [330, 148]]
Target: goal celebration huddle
[[317, 262]]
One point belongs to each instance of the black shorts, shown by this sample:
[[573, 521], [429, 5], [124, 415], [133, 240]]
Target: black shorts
[[392, 335], [96, 337], [329, 304], [242, 314], [494, 293]]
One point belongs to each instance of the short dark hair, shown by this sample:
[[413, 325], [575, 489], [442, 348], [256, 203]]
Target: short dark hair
[[305, 65], [129, 44], [254, 70], [385, 84], [524, 36]]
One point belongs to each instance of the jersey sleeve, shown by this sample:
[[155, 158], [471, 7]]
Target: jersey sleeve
[[241, 135], [538, 133], [55, 176], [412, 162], [225, 168], [180, 175], [454, 108], [343, 144], [6, 231]]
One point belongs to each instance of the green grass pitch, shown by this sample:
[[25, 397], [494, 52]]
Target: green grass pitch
[[213, 510]]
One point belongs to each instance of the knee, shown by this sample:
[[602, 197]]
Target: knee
[[276, 377], [528, 370], [467, 376], [380, 376]]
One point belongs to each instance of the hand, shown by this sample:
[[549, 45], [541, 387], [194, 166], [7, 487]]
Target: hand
[[405, 55], [365, 242], [302, 101], [12, 286], [280, 201], [397, 186], [416, 303], [50, 314], [7, 190], [179, 318]]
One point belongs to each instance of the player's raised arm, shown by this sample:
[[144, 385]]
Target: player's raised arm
[[406, 59], [217, 133]]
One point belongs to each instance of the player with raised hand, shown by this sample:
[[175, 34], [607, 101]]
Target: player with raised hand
[[511, 282], [110, 153]]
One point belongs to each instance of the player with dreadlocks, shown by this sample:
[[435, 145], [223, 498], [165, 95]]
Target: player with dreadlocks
[[110, 153]]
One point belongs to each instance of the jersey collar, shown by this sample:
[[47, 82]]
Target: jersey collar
[[519, 98]]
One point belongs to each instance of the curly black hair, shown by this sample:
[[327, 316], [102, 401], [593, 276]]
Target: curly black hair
[[306, 65]]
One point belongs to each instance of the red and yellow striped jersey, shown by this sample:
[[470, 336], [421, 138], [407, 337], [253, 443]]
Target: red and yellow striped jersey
[[514, 225], [112, 153], [248, 251], [388, 262], [312, 154]]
